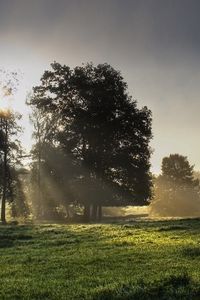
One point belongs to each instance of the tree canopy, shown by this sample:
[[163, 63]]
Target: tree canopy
[[101, 130], [177, 169]]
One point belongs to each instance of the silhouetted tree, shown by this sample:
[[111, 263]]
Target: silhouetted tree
[[101, 129], [176, 168], [176, 189], [10, 151], [10, 148]]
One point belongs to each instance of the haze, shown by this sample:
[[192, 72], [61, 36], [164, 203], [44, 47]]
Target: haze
[[154, 43]]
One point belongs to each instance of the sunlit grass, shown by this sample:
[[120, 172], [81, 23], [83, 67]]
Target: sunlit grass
[[137, 260]]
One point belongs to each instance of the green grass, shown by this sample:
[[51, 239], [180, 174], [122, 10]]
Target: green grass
[[136, 260]]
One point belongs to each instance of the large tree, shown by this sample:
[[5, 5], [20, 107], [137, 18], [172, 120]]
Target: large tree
[[101, 129]]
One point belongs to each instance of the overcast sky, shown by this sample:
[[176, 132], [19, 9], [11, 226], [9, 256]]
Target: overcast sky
[[154, 43]]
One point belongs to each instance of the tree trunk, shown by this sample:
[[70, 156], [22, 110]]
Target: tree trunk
[[67, 212], [86, 213], [94, 212], [99, 213], [3, 209], [41, 209], [3, 202]]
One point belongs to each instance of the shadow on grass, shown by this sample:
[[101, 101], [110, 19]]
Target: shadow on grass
[[159, 225], [11, 235], [174, 287], [191, 252], [173, 227]]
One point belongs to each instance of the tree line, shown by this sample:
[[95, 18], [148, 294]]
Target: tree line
[[90, 147]]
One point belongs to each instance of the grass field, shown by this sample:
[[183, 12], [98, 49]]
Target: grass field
[[133, 260]]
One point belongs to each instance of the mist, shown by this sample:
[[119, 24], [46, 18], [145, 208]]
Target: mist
[[175, 201]]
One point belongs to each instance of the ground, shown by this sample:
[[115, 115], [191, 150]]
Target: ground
[[123, 260]]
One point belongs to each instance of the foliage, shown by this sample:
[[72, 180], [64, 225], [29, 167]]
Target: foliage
[[100, 128], [176, 168], [10, 151], [10, 161]]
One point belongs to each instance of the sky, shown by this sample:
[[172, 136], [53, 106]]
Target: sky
[[154, 43]]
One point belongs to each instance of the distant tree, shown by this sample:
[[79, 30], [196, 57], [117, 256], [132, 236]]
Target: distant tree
[[176, 168], [102, 131], [176, 189]]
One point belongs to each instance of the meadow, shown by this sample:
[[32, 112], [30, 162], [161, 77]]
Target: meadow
[[121, 260]]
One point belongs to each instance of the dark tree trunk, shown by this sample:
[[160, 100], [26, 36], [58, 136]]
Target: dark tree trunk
[[94, 212], [86, 213], [99, 213], [3, 202], [41, 209], [3, 209]]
